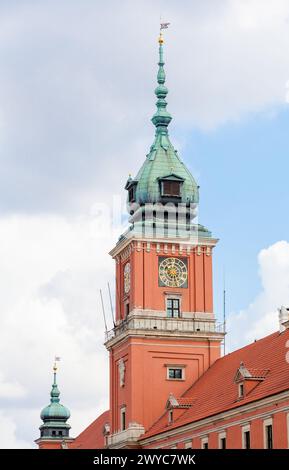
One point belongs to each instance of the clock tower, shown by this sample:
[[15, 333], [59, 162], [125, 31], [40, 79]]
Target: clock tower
[[165, 335]]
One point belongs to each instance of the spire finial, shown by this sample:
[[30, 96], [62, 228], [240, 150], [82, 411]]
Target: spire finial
[[162, 117], [54, 394]]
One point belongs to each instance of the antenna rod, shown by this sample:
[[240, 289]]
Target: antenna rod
[[103, 311], [111, 304]]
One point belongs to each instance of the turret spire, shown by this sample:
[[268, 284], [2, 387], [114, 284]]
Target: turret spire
[[162, 117], [54, 416], [54, 394]]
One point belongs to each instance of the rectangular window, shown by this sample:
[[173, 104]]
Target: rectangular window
[[126, 309], [247, 443], [175, 373], [241, 390], [171, 188], [131, 194], [123, 419], [223, 443], [246, 437], [269, 436], [222, 440], [173, 308], [188, 445], [205, 443], [171, 416]]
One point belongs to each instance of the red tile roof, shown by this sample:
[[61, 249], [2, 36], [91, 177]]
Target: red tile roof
[[92, 437], [215, 391], [258, 373]]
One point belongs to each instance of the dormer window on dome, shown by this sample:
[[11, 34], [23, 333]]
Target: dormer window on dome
[[131, 188], [171, 186]]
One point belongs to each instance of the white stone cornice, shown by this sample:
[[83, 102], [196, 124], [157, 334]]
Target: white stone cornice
[[164, 243]]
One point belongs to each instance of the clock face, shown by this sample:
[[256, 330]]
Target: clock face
[[173, 272], [126, 275]]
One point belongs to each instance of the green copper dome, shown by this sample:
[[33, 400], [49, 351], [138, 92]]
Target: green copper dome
[[55, 411], [162, 161]]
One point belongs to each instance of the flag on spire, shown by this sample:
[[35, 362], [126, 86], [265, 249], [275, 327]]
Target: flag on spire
[[164, 26]]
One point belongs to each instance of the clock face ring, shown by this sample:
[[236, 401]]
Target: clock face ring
[[173, 272]]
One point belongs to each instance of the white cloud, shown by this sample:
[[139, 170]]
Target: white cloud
[[8, 434], [260, 318], [50, 274], [10, 389], [76, 86]]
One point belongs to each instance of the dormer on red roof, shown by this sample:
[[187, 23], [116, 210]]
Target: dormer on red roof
[[181, 402], [247, 379]]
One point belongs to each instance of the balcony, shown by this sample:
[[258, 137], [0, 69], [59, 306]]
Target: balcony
[[154, 325], [127, 438]]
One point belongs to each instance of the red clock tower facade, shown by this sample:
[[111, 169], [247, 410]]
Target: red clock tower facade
[[165, 334]]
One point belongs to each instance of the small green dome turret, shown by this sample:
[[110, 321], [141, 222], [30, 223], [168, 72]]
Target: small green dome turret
[[55, 415]]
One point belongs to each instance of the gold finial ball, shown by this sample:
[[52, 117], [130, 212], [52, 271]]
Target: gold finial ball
[[161, 39]]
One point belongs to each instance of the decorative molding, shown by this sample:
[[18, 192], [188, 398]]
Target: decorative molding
[[125, 254], [205, 241]]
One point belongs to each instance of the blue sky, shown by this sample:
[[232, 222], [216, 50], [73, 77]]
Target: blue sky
[[244, 195], [76, 99]]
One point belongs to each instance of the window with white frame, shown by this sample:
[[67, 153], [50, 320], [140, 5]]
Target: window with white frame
[[222, 440], [173, 307], [241, 390], [188, 445], [171, 416], [246, 437], [175, 372], [268, 433], [205, 443]]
